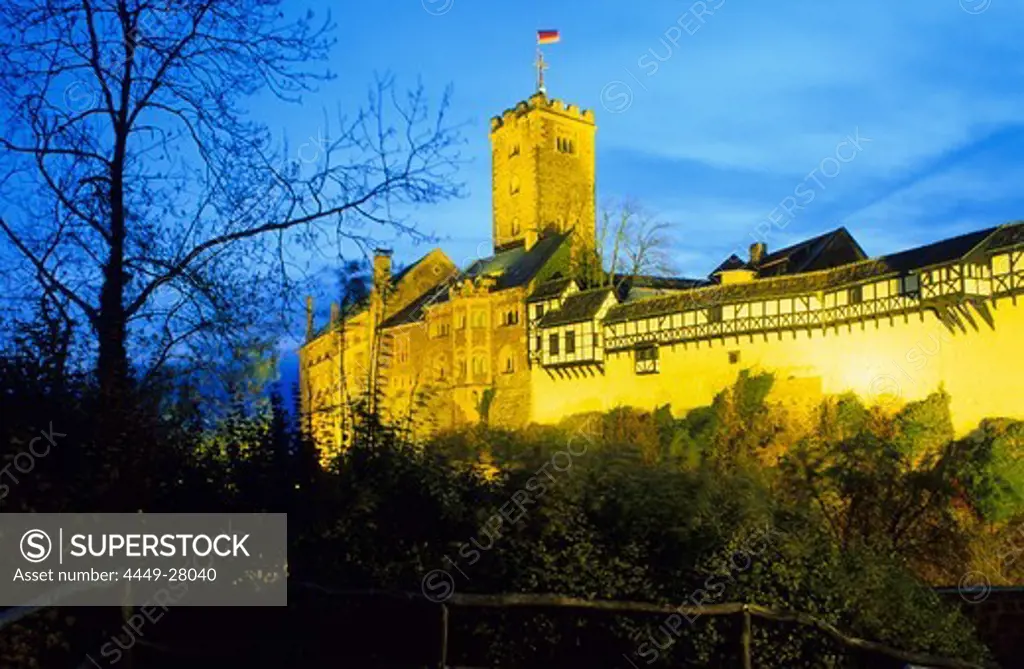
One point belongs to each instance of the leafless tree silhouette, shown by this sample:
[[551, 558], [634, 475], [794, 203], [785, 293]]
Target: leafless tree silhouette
[[633, 240], [139, 190]]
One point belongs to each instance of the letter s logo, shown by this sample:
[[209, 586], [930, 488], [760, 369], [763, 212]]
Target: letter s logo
[[35, 546]]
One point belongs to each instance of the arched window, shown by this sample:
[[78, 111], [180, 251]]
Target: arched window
[[479, 365], [513, 185]]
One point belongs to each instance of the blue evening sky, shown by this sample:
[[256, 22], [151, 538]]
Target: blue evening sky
[[713, 122]]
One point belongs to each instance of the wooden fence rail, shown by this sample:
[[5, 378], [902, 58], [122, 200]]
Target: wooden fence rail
[[747, 611]]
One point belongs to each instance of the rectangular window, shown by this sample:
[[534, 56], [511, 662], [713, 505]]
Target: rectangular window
[[646, 360], [715, 313], [540, 343], [570, 342], [856, 294], [734, 357], [538, 311], [553, 344]]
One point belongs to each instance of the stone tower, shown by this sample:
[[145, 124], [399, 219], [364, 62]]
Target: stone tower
[[542, 157]]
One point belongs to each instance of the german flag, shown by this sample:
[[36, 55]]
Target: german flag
[[547, 36]]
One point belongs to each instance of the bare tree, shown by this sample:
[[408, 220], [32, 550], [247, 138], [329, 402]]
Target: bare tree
[[630, 242], [140, 191]]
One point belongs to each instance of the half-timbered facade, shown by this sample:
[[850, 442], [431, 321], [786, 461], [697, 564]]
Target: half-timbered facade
[[511, 338], [848, 324]]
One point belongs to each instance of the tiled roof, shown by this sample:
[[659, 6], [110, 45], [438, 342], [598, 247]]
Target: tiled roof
[[831, 249], [938, 252], [549, 289], [581, 306], [517, 266], [356, 308], [413, 311], [1011, 234], [787, 284], [737, 292], [658, 282], [511, 268], [732, 262]]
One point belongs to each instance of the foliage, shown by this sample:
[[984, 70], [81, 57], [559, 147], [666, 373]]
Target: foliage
[[606, 518], [901, 484], [483, 408], [601, 507]]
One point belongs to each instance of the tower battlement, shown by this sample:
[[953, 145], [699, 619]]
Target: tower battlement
[[541, 102], [542, 157]]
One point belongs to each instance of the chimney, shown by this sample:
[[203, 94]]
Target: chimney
[[381, 268], [758, 250], [309, 317], [381, 282]]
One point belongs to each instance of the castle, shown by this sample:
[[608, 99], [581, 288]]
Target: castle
[[524, 336]]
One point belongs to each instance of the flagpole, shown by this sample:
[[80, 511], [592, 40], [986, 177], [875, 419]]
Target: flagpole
[[543, 37], [540, 70]]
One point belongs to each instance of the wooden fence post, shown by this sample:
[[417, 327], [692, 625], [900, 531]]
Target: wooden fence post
[[745, 638], [444, 637]]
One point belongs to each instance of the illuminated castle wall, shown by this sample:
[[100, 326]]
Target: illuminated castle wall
[[518, 337]]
